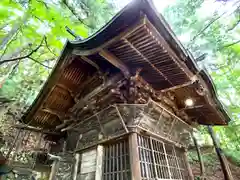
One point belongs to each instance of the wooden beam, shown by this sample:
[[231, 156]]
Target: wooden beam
[[114, 61], [59, 114], [106, 140], [30, 128], [134, 157], [147, 60], [27, 168], [191, 107], [114, 81], [99, 163], [76, 166], [89, 61], [223, 161], [161, 40], [107, 84], [177, 87], [122, 120], [54, 169], [145, 131], [64, 124]]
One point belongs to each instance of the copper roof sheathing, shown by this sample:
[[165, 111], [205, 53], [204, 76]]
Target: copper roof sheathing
[[136, 39]]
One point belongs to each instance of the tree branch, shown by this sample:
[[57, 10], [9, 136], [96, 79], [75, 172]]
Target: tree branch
[[39, 63], [28, 56], [202, 57], [234, 26], [238, 21], [65, 2], [22, 57], [14, 68], [44, 3], [46, 43], [207, 26], [229, 45], [37, 18], [215, 67]]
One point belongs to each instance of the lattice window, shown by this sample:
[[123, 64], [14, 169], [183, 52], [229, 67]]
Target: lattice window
[[116, 165], [159, 160]]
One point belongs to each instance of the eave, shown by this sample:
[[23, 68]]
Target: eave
[[116, 48]]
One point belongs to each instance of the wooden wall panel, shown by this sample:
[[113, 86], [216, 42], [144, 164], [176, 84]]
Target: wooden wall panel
[[88, 165], [88, 161]]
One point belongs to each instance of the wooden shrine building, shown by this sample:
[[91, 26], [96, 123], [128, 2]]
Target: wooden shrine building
[[125, 101]]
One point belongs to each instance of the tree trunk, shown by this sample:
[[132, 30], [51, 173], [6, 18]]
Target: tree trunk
[[14, 30], [202, 168], [223, 161]]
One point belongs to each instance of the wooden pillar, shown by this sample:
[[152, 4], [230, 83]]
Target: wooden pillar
[[54, 169], [223, 161], [99, 162], [76, 166], [190, 174], [202, 168], [134, 157]]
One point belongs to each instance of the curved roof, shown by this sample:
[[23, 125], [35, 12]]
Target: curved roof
[[137, 39]]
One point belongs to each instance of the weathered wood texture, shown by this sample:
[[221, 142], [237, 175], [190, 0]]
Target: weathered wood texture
[[72, 140], [102, 126], [21, 167], [54, 169], [76, 166], [223, 161], [134, 157], [157, 119], [115, 61], [88, 165], [116, 120], [99, 162], [66, 169], [34, 129]]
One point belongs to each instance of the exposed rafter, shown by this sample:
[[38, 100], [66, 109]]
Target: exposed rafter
[[115, 61], [146, 59]]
